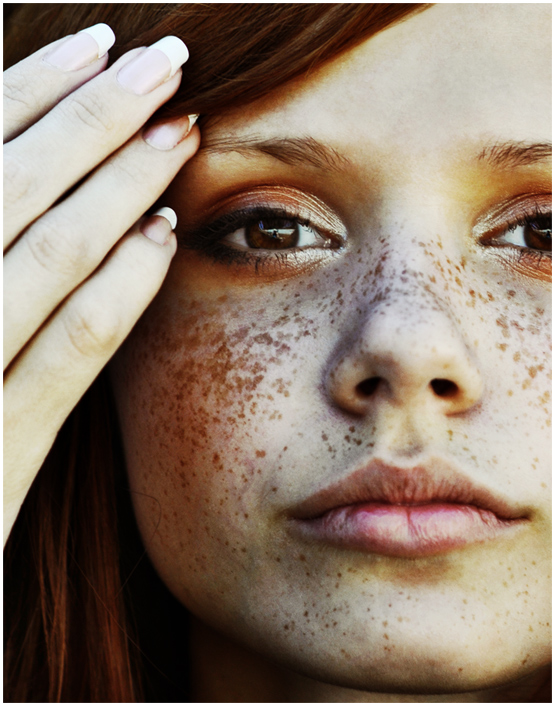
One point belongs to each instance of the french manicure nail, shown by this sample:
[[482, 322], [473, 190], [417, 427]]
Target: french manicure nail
[[155, 65], [81, 49], [158, 229], [165, 136], [169, 214]]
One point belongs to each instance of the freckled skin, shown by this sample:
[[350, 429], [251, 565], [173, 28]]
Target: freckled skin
[[237, 396]]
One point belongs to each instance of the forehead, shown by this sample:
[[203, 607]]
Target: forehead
[[453, 70]]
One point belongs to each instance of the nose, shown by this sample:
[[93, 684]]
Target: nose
[[411, 353]]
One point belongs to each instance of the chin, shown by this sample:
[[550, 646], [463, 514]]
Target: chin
[[450, 663], [413, 675]]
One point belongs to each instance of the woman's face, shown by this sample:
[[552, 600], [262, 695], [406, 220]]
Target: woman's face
[[339, 453]]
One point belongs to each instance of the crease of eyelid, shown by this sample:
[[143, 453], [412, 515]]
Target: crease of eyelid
[[512, 210], [286, 200], [291, 151]]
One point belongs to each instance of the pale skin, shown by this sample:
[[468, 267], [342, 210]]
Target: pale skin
[[65, 310], [238, 390]]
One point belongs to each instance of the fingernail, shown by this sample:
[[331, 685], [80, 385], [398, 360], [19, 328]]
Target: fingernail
[[160, 225], [165, 136], [155, 65], [82, 48], [169, 214]]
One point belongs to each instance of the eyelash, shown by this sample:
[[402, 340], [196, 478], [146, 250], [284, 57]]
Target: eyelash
[[526, 255], [208, 239]]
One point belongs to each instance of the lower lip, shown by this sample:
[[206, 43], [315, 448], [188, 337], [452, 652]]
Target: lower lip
[[406, 531]]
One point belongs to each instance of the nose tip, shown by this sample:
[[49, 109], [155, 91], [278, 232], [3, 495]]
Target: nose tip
[[425, 364]]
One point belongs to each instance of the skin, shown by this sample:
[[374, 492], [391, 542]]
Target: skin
[[237, 390], [78, 274]]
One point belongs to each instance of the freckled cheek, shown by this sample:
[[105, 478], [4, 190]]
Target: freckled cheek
[[200, 392]]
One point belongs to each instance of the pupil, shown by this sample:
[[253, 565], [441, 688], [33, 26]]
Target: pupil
[[273, 234], [538, 233], [542, 224]]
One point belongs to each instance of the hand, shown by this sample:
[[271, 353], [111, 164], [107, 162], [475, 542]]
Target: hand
[[74, 283]]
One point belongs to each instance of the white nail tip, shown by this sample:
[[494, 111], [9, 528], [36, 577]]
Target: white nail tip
[[169, 214], [103, 36], [174, 49]]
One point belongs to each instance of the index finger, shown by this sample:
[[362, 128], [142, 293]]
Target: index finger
[[35, 84]]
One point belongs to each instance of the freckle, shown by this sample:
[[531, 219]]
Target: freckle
[[386, 636]]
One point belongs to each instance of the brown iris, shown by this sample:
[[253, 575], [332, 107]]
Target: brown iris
[[272, 234], [537, 233]]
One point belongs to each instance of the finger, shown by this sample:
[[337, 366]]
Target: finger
[[67, 244], [33, 86], [61, 362], [80, 132]]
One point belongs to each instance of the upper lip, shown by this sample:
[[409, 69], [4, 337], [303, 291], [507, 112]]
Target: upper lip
[[435, 481]]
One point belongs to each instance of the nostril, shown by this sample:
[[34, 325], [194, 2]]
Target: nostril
[[368, 386], [444, 388]]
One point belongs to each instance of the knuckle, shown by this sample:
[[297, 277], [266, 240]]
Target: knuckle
[[19, 181], [143, 270], [17, 96], [133, 174], [90, 111], [92, 330], [55, 246]]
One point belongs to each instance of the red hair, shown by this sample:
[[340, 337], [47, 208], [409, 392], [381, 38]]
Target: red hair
[[70, 631]]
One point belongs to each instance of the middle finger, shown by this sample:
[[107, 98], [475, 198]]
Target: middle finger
[[82, 130]]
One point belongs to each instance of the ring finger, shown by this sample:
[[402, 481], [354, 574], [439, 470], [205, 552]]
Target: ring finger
[[68, 243]]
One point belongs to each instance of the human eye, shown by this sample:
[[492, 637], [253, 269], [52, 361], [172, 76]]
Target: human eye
[[521, 232], [261, 232], [274, 231]]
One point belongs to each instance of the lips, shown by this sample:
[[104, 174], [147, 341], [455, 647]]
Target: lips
[[406, 512]]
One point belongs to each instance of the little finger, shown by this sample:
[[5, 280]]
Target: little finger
[[50, 376]]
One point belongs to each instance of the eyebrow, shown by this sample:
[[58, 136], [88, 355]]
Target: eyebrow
[[308, 151], [510, 154], [292, 151]]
